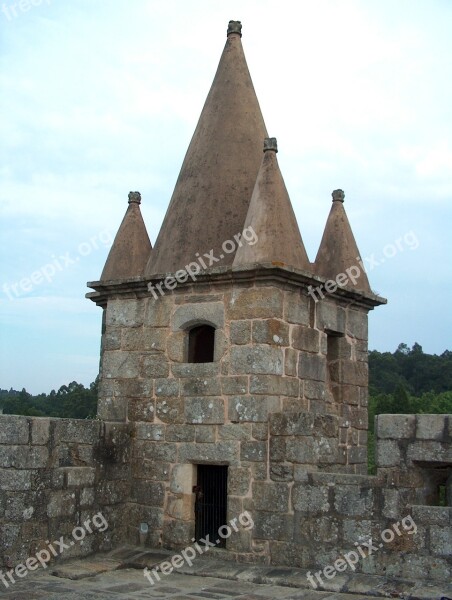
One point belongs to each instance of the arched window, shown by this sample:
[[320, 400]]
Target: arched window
[[201, 344]]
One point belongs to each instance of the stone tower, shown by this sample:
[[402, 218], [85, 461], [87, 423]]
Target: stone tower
[[240, 365]]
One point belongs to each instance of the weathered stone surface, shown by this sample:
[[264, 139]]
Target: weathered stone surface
[[235, 431], [255, 303], [272, 526], [357, 324], [155, 338], [395, 426], [13, 430], [257, 359], [252, 408], [272, 497], [13, 480], [271, 331], [40, 429], [188, 315], [205, 433], [315, 390], [111, 340], [353, 500], [305, 338], [195, 369], [260, 431], [312, 366], [388, 453], [234, 385], [132, 338], [73, 430], [330, 317], [431, 427], [302, 449], [154, 365], [296, 308], [158, 312], [290, 362], [24, 457], [274, 385], [253, 451], [139, 409], [61, 504], [202, 386], [204, 410], [225, 452], [161, 451], [80, 476], [170, 410], [125, 313], [120, 364], [347, 371], [279, 472], [179, 433], [310, 500], [239, 479], [240, 332]]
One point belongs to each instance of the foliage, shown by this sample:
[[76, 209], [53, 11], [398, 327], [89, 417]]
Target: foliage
[[71, 401]]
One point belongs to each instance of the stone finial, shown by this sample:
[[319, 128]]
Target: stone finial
[[338, 195], [270, 144], [235, 27], [134, 197]]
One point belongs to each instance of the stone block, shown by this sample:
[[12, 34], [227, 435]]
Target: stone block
[[40, 428], [280, 472], [357, 531], [188, 315], [271, 331], [132, 338], [441, 540], [182, 479], [176, 532], [200, 386], [13, 430], [139, 409], [275, 385], [234, 385], [349, 372], [240, 332], [309, 499], [252, 408], [155, 338], [323, 530], [278, 449], [290, 362], [13, 480], [437, 515], [395, 427], [120, 364], [195, 369], [158, 312], [239, 479], [296, 308], [77, 431], [235, 431], [111, 339], [151, 469], [112, 409], [253, 451], [223, 453], [260, 431], [87, 497], [154, 365], [180, 433], [204, 410], [255, 303], [357, 324], [292, 423], [272, 526], [257, 359], [387, 453], [80, 476], [431, 427], [125, 313], [161, 451], [205, 433], [311, 366], [177, 346], [330, 316], [429, 451], [315, 390], [305, 338], [353, 500], [61, 504], [356, 455], [271, 497], [170, 410], [24, 457], [302, 450], [133, 388]]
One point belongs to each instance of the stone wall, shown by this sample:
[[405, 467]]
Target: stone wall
[[54, 475]]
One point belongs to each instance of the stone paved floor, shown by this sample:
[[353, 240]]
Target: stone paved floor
[[212, 578]]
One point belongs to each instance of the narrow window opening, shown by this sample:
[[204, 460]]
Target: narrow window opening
[[201, 344]]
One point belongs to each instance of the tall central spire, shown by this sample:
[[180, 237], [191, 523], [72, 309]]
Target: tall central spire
[[213, 191]]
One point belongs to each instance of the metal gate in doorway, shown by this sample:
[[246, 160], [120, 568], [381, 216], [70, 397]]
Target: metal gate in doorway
[[211, 502]]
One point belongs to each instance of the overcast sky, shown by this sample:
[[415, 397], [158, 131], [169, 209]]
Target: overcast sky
[[100, 97]]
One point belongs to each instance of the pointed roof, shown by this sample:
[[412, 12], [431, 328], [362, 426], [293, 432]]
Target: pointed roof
[[131, 247], [214, 187], [271, 217], [338, 250]]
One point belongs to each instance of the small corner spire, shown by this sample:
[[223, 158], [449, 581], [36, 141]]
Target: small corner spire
[[134, 197], [270, 144], [338, 195], [234, 27]]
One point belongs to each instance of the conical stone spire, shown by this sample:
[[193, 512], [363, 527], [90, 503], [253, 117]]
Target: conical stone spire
[[214, 187], [338, 252], [131, 248], [272, 219]]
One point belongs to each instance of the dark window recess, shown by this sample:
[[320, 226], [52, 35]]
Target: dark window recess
[[211, 502], [201, 344]]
